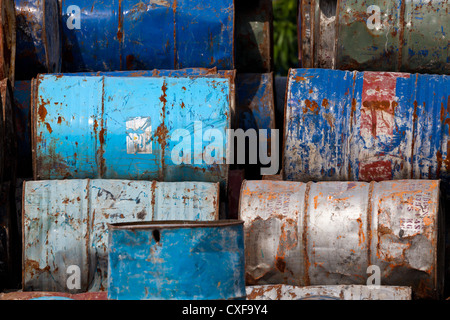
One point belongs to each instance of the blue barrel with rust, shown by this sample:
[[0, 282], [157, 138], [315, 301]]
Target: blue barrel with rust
[[144, 128], [366, 126], [176, 260], [38, 48], [143, 35]]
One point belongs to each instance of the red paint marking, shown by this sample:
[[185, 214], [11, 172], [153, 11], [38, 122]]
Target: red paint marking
[[375, 171]]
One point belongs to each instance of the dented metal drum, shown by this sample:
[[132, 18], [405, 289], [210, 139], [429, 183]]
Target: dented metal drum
[[7, 40], [144, 35], [400, 35], [336, 292], [182, 261], [38, 38], [254, 36], [367, 126], [329, 233], [65, 223], [145, 128]]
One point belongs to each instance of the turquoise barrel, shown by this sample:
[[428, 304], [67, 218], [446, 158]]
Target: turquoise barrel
[[176, 260]]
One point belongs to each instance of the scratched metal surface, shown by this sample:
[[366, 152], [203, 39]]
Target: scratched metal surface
[[343, 125], [143, 35], [184, 261], [7, 40], [20, 295], [412, 35], [328, 233], [38, 38], [254, 36], [336, 292], [65, 223], [86, 127]]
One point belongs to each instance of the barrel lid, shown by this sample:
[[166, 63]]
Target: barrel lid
[[174, 224]]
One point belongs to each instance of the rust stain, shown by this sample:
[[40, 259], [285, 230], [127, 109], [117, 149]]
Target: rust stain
[[311, 106], [42, 113]]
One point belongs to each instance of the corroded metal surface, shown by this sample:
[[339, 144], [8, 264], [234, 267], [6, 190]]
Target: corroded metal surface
[[337, 292], [184, 260], [65, 223], [126, 127], [19, 295], [143, 35], [330, 232], [400, 35], [368, 126], [38, 38], [7, 40], [254, 36]]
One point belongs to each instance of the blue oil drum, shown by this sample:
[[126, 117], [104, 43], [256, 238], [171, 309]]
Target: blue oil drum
[[176, 260], [143, 35], [38, 33], [144, 128]]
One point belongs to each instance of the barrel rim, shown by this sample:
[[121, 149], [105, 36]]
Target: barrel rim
[[173, 224]]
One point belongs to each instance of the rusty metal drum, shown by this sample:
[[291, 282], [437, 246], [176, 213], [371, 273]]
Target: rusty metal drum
[[7, 40], [400, 35], [329, 233], [144, 35], [39, 41], [336, 292], [65, 224], [144, 128], [367, 126], [183, 261]]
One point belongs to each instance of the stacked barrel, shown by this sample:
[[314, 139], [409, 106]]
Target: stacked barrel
[[364, 154], [115, 143]]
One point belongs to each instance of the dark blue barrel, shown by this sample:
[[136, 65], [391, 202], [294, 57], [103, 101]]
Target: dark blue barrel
[[176, 260], [22, 119], [143, 35], [38, 38]]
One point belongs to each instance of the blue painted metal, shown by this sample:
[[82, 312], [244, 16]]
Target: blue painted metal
[[143, 35], [22, 105], [180, 261], [125, 127], [51, 298], [255, 101], [38, 38], [343, 125], [65, 223], [148, 73]]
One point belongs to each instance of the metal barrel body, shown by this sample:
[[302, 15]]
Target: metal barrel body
[[329, 233], [255, 111], [9, 239], [194, 260], [331, 292], [22, 114], [7, 40], [400, 35], [39, 36], [65, 223], [131, 127], [144, 35], [254, 36], [367, 126]]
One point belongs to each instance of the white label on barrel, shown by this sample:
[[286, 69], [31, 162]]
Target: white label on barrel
[[374, 21], [139, 135], [73, 21]]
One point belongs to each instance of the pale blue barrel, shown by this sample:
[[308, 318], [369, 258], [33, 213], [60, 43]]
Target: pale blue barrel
[[176, 260], [131, 127]]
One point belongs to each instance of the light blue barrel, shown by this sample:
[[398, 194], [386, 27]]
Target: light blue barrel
[[176, 260], [144, 128]]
